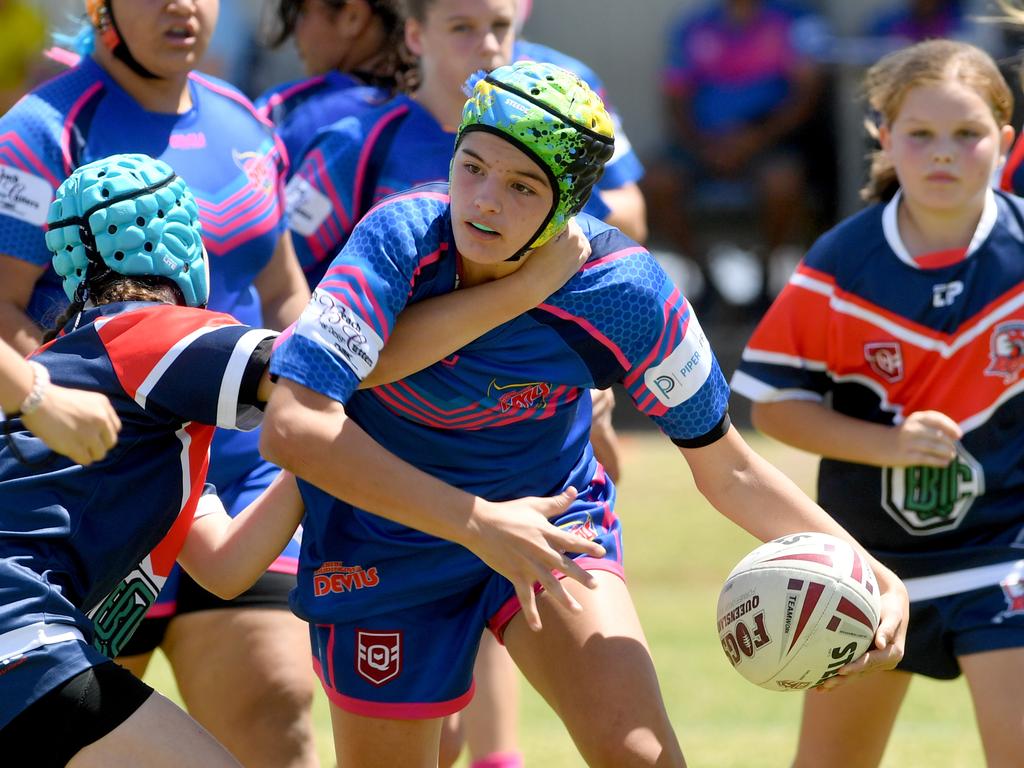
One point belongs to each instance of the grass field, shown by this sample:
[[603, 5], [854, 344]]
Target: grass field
[[678, 552]]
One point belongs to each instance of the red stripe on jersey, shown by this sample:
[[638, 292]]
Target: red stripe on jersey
[[939, 259], [1012, 163], [785, 328], [166, 552], [136, 341]]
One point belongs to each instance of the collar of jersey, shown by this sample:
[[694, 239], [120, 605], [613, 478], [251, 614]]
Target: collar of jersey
[[890, 227]]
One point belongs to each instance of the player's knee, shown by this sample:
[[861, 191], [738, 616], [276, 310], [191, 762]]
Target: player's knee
[[641, 748]]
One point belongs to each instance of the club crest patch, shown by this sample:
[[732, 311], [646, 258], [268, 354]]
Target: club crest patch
[[1006, 351], [378, 655], [885, 358]]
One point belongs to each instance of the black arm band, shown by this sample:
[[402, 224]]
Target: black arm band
[[258, 362], [716, 433]]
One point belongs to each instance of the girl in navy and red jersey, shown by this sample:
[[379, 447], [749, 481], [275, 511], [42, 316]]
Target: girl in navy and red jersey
[[895, 353], [135, 90], [82, 554]]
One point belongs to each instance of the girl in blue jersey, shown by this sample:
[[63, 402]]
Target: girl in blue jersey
[[351, 51], [135, 91], [77, 424], [395, 615], [895, 353]]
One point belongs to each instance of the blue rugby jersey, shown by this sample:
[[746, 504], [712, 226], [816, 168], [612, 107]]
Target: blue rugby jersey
[[882, 335], [68, 533], [504, 417], [300, 108], [229, 157]]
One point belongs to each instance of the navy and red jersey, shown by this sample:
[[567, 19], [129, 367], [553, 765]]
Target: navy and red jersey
[[877, 335], [228, 155], [504, 417], [70, 533]]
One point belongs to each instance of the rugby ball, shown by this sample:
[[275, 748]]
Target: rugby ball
[[796, 609]]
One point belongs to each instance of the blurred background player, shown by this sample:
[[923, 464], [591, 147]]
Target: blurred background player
[[352, 53], [895, 353], [740, 93], [124, 233], [75, 423], [240, 665]]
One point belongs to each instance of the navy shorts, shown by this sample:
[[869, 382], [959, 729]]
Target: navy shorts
[[942, 629]]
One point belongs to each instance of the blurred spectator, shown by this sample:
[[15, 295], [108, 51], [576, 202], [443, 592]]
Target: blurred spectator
[[920, 20], [741, 88], [22, 37]]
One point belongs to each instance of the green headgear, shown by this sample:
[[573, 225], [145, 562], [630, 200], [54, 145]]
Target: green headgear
[[556, 119]]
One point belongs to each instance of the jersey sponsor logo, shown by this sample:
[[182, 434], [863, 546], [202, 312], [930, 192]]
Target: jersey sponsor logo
[[519, 396], [885, 358], [258, 168], [584, 529], [119, 614], [334, 577], [24, 196], [192, 140], [332, 325], [1006, 351], [927, 500], [680, 375], [944, 294], [308, 207], [378, 655]]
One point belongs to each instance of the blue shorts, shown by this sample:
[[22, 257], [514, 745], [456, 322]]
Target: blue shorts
[[942, 629], [417, 662], [181, 595]]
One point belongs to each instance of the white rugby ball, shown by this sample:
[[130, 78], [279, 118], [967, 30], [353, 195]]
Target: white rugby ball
[[796, 609]]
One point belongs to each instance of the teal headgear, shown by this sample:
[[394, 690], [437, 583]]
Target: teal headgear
[[556, 119], [127, 215]]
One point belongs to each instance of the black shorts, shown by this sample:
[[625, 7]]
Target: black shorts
[[72, 716], [270, 591]]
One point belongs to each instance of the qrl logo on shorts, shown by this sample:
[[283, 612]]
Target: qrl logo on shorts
[[378, 655]]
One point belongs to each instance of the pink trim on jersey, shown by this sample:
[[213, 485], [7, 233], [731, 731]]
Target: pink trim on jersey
[[30, 158], [230, 94], [412, 196], [65, 134], [250, 225], [670, 330], [367, 151], [287, 93], [427, 260], [284, 564], [425, 710], [357, 275], [162, 610], [498, 623], [590, 329], [62, 56], [616, 255]]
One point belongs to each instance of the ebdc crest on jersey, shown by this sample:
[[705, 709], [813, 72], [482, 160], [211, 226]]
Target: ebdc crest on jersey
[[1006, 351]]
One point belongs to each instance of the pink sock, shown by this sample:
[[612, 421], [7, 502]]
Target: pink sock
[[499, 760]]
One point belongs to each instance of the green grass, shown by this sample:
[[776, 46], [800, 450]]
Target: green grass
[[678, 552]]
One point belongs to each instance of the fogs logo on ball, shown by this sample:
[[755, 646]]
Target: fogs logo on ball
[[678, 377], [378, 655]]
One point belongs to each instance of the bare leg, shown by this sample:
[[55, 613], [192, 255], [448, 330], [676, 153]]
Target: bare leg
[[158, 735], [996, 679], [850, 726], [361, 742], [600, 655], [246, 675]]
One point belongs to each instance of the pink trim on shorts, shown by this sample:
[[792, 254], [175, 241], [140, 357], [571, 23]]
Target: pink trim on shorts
[[284, 564], [162, 610], [512, 606], [423, 710]]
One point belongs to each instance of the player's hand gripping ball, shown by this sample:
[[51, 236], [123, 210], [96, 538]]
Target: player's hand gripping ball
[[796, 609]]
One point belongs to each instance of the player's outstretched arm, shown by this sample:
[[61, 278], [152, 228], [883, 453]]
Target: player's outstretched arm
[[80, 425], [759, 498], [924, 438], [309, 434], [227, 555], [431, 330]]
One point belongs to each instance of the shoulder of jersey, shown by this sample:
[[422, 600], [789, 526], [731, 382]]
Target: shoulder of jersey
[[849, 239], [222, 89]]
